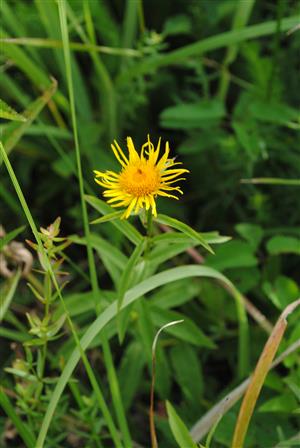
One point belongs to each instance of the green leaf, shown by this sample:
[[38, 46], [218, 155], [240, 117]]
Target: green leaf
[[7, 292], [180, 24], [281, 244], [247, 138], [176, 237], [184, 228], [104, 248], [282, 403], [192, 115], [130, 372], [10, 236], [123, 226], [188, 374], [284, 291], [9, 113], [251, 232], [176, 294], [23, 429], [273, 112], [127, 280], [178, 428], [14, 131], [107, 218], [234, 254]]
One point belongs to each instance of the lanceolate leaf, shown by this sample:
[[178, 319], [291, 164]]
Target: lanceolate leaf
[[123, 226], [184, 228], [15, 131], [179, 430], [10, 236], [9, 113]]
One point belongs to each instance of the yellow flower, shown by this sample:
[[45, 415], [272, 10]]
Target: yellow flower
[[142, 178]]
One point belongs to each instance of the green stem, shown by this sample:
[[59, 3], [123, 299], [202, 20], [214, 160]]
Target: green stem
[[149, 228], [66, 48], [115, 391], [243, 339]]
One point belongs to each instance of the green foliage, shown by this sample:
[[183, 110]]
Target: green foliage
[[219, 81]]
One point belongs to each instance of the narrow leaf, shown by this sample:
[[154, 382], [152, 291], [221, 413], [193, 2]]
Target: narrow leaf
[[15, 131], [7, 293], [123, 226], [107, 218], [184, 228], [10, 236], [179, 430], [9, 113]]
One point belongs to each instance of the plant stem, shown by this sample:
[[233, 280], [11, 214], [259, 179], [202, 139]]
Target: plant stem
[[149, 229]]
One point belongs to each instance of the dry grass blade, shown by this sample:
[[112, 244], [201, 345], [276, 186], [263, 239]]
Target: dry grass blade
[[259, 376], [202, 427]]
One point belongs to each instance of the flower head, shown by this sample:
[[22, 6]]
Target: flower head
[[142, 178]]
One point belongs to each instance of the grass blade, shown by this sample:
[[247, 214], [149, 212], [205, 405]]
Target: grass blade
[[272, 181], [10, 236], [211, 43], [7, 294], [241, 17], [259, 376], [23, 430], [15, 131]]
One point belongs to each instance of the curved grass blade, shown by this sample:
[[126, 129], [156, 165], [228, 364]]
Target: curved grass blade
[[131, 296]]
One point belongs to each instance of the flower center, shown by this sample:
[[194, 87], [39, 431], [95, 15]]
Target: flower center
[[140, 180]]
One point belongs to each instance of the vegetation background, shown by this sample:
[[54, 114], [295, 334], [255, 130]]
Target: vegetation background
[[218, 79]]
